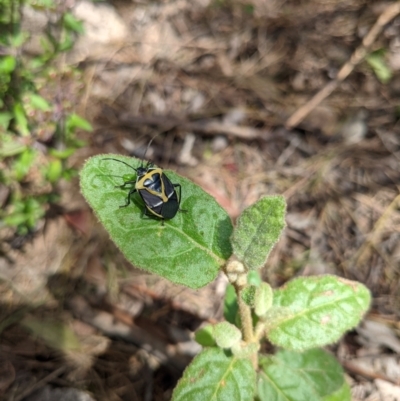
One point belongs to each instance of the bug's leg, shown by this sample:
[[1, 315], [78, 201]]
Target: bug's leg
[[123, 186], [180, 193], [144, 213], [128, 199]]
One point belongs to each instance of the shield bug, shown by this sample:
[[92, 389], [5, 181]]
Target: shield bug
[[159, 194]]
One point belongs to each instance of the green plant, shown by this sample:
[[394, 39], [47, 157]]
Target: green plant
[[37, 122], [306, 313], [377, 61]]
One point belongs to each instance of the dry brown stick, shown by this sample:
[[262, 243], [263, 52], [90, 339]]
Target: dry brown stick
[[376, 233], [358, 370], [207, 127], [40, 383], [387, 15]]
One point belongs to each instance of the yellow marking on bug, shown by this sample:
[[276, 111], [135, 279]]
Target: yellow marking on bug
[[147, 176]]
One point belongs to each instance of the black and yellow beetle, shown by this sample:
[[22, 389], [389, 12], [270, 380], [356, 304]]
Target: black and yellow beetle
[[155, 188]]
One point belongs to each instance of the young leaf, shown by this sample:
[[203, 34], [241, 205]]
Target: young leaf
[[253, 278], [72, 23], [67, 41], [62, 154], [321, 310], [247, 294], [74, 121], [43, 4], [23, 163], [226, 335], [5, 118], [215, 375], [188, 249], [258, 229], [34, 211], [15, 219], [7, 64], [377, 62], [205, 336], [54, 170], [312, 375], [38, 102], [263, 299], [21, 119], [231, 306]]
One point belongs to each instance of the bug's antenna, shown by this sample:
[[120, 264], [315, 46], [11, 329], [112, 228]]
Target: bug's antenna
[[148, 146], [120, 161]]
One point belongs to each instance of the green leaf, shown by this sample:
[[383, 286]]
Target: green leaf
[[263, 299], [54, 333], [248, 294], [189, 249], [23, 163], [24, 213], [275, 315], [205, 336], [54, 170], [19, 38], [231, 306], [74, 121], [321, 310], [15, 219], [248, 9], [62, 154], [377, 62], [36, 63], [47, 46], [258, 229], [10, 145], [291, 376], [69, 173], [5, 118], [72, 23], [37, 102], [215, 375], [21, 120], [226, 335], [253, 278], [7, 64], [34, 211], [67, 42], [43, 4], [343, 394]]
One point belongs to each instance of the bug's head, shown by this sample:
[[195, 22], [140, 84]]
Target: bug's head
[[143, 169]]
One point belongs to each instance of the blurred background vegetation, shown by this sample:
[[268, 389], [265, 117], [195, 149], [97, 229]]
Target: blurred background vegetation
[[37, 120]]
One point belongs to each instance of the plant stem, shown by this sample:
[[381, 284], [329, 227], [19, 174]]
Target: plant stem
[[247, 324], [245, 318], [237, 276]]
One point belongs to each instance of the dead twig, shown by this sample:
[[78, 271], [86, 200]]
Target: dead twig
[[387, 15], [207, 127], [375, 236], [40, 383], [358, 370]]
